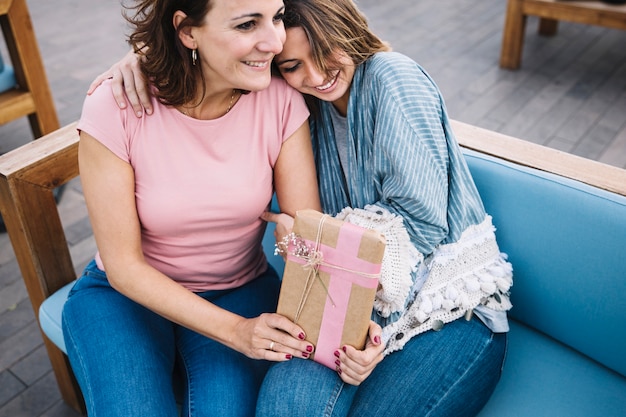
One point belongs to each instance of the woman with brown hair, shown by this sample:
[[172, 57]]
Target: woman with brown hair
[[180, 280]]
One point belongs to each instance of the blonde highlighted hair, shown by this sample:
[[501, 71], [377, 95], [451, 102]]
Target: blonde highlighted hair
[[332, 26]]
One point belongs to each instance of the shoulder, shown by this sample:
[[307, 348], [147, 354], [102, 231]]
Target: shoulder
[[102, 97], [279, 108], [386, 59], [100, 109], [279, 88], [399, 76], [395, 67], [279, 84], [279, 96], [386, 64], [101, 105]]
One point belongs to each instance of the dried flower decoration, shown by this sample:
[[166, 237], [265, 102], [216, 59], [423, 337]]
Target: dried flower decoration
[[300, 248]]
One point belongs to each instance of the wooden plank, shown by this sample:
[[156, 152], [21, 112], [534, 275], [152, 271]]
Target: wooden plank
[[54, 151], [585, 12], [4, 6], [15, 104], [28, 177], [529, 154], [30, 74]]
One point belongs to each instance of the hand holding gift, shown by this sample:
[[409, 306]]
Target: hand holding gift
[[330, 281], [353, 365]]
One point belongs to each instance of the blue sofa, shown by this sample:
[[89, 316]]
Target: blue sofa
[[560, 218], [7, 76]]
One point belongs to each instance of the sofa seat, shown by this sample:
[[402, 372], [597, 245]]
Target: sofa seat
[[541, 376]]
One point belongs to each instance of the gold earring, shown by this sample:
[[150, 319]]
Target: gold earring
[[194, 56]]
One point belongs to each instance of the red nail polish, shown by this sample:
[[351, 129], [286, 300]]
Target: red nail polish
[[338, 362], [344, 348], [377, 340], [338, 370], [337, 353], [288, 356], [301, 336], [305, 354], [309, 348]]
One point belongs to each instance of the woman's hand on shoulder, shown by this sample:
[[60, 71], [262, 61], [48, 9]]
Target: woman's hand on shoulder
[[127, 83], [354, 366], [272, 337]]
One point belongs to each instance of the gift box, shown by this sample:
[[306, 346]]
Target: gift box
[[330, 280]]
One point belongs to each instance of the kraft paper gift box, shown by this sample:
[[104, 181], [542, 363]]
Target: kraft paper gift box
[[330, 280]]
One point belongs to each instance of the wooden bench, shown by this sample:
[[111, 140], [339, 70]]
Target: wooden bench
[[31, 96], [559, 217], [550, 12]]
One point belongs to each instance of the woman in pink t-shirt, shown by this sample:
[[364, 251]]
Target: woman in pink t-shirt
[[180, 280], [385, 152]]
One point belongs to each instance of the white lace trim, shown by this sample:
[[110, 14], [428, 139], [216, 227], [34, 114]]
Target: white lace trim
[[461, 276], [399, 261]]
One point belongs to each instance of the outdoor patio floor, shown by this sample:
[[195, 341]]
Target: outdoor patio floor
[[569, 94]]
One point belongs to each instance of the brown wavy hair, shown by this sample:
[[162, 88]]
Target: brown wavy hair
[[166, 61]]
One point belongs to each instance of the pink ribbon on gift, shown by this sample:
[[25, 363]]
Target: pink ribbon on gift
[[345, 269]]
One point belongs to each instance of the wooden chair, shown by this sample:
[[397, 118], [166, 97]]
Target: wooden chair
[[32, 96], [29, 176], [549, 13]]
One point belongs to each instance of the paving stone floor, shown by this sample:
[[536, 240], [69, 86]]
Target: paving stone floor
[[570, 94]]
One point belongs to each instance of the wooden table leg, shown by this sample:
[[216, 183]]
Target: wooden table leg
[[548, 27], [513, 36]]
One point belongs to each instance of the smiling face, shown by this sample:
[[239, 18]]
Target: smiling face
[[298, 68], [237, 42]]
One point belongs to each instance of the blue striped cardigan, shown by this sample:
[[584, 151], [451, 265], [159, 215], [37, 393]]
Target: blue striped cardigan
[[402, 156], [402, 153]]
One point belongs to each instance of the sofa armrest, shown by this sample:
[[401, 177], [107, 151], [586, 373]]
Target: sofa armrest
[[539, 157], [29, 176]]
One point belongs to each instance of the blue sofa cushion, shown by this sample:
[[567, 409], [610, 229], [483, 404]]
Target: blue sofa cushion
[[566, 243], [7, 78], [543, 377], [50, 316]]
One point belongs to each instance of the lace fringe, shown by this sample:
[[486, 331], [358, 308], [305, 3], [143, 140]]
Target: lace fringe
[[462, 275]]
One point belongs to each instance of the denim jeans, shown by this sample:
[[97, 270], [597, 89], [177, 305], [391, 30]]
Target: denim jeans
[[452, 372], [130, 361]]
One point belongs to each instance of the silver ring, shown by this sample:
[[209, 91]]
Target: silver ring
[[272, 346]]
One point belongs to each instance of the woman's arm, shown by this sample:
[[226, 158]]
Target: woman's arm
[[109, 189], [128, 84], [295, 178], [295, 181]]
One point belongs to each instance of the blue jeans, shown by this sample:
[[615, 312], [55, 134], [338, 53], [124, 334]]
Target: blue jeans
[[452, 372], [130, 361]]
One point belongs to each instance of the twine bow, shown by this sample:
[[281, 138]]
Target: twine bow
[[314, 258]]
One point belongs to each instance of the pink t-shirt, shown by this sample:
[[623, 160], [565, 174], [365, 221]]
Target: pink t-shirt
[[201, 185]]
